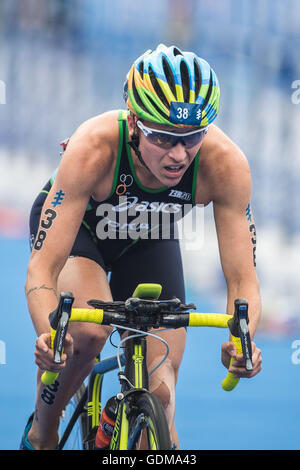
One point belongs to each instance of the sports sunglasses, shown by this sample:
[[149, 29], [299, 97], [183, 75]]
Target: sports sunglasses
[[167, 140]]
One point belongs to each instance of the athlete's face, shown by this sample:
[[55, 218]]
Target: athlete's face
[[167, 164]]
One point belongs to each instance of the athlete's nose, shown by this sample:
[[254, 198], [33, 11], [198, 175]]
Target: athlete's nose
[[178, 152]]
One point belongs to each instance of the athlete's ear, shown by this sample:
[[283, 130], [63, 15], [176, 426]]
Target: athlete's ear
[[131, 119]]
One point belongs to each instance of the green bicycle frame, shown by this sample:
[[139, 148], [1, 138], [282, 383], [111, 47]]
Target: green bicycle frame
[[136, 371]]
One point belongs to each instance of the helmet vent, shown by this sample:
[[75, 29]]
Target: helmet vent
[[141, 69], [156, 107], [157, 87], [198, 78], [137, 96], [169, 75], [208, 91], [177, 51], [185, 80]]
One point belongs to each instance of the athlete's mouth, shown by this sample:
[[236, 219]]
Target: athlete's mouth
[[174, 168]]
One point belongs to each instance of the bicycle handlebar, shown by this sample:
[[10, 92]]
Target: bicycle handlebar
[[237, 324]]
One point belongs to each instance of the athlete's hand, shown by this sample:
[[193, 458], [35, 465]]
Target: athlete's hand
[[238, 365], [44, 354]]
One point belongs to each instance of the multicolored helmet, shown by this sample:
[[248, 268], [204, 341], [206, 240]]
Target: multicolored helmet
[[168, 86]]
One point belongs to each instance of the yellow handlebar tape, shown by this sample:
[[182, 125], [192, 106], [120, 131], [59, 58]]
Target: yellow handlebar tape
[[216, 320], [89, 315], [48, 377], [230, 382]]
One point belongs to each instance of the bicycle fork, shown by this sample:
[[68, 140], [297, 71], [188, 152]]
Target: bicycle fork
[[133, 380]]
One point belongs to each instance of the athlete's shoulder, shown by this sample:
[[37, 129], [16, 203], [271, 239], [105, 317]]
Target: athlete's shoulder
[[223, 164], [94, 144], [220, 155], [98, 132]]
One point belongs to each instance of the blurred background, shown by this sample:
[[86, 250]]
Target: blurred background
[[63, 61]]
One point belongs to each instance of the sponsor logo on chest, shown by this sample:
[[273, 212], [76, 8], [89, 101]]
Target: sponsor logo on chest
[[180, 195]]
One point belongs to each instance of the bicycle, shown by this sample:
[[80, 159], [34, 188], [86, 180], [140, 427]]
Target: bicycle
[[138, 409]]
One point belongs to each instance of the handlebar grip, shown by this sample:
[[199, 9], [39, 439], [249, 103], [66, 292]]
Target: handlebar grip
[[48, 377], [230, 382]]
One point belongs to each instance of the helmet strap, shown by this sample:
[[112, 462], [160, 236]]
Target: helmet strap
[[134, 144]]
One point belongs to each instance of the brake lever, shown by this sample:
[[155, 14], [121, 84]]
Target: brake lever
[[238, 326], [59, 320]]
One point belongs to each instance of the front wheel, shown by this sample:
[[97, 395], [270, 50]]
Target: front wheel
[[73, 422], [148, 427]]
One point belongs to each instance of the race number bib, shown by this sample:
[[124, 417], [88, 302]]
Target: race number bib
[[185, 113]]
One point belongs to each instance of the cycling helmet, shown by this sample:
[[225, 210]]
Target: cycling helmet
[[168, 86]]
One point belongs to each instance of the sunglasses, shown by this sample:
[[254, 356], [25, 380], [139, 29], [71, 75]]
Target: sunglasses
[[167, 140]]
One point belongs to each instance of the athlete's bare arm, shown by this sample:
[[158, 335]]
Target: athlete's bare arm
[[229, 185], [85, 168]]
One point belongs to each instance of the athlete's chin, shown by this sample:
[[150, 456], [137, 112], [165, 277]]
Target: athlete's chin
[[171, 179]]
